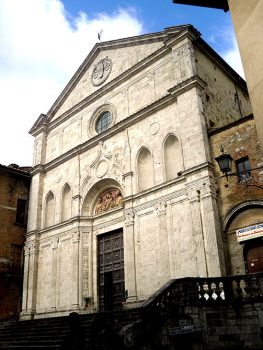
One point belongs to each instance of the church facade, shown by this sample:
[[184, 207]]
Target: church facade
[[123, 192]]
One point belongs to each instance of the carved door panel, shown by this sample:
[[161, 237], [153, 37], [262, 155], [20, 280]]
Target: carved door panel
[[111, 271], [255, 259]]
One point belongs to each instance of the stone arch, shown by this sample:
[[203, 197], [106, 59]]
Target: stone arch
[[145, 169], [96, 191], [172, 155], [49, 209], [66, 202], [242, 207], [241, 216]]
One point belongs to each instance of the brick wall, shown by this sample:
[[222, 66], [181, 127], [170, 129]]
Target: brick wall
[[14, 185]]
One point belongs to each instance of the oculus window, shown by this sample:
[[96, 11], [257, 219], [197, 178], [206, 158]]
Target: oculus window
[[103, 122]]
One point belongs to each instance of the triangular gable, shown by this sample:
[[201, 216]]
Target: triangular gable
[[120, 52]]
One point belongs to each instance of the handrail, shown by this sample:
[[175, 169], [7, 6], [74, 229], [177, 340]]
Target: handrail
[[208, 290]]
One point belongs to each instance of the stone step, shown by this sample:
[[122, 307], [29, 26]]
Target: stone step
[[54, 333]]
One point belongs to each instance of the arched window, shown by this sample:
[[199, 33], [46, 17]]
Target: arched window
[[172, 157], [145, 169], [50, 210], [66, 203]]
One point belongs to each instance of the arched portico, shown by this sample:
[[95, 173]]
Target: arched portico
[[110, 245]]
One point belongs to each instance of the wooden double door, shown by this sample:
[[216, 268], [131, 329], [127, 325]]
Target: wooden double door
[[111, 271], [254, 256]]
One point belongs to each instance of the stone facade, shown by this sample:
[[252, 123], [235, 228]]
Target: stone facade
[[239, 200], [161, 91], [14, 194]]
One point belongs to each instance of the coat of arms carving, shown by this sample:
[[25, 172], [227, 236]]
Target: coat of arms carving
[[101, 71]]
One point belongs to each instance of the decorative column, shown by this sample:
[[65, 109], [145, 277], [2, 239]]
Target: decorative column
[[75, 271], [30, 275], [54, 276], [198, 235], [25, 279], [212, 232], [87, 281], [129, 256], [163, 247]]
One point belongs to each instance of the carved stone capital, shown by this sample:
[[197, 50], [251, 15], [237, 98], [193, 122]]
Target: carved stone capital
[[26, 249], [34, 247], [129, 217], [54, 243], [160, 207], [75, 237], [207, 190], [193, 195]]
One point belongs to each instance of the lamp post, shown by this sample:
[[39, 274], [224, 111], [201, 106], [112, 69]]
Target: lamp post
[[225, 161]]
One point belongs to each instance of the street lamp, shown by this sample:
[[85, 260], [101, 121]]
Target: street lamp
[[224, 161]]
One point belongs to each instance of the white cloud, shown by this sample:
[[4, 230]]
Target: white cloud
[[232, 57], [224, 41], [41, 46]]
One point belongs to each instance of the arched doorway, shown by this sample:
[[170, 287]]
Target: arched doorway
[[103, 204], [243, 227], [253, 256]]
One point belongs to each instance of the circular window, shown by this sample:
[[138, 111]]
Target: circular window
[[103, 122]]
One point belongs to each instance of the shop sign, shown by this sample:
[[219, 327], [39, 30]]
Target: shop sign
[[186, 329], [249, 232]]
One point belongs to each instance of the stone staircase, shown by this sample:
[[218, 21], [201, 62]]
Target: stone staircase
[[89, 331]]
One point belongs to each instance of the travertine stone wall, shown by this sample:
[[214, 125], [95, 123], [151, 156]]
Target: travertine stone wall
[[220, 97], [164, 236]]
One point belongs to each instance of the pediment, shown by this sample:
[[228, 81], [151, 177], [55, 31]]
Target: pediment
[[105, 63]]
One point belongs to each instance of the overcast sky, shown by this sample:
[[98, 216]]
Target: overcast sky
[[43, 42]]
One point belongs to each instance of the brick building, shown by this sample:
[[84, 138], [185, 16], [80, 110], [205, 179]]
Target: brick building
[[240, 198], [14, 193]]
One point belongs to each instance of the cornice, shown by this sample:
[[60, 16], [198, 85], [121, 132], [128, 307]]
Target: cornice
[[188, 84], [194, 81], [214, 56]]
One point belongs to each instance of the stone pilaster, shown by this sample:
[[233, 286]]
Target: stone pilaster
[[163, 248], [25, 279], [30, 275], [87, 268], [54, 277], [129, 253], [75, 270], [198, 235], [212, 232], [128, 183]]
